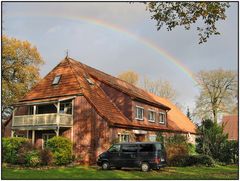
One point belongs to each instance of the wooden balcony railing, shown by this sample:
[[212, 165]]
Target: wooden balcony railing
[[43, 120]]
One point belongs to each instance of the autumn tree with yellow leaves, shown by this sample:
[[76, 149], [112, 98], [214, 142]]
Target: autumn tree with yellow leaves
[[20, 71]]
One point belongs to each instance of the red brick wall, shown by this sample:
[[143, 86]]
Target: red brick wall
[[90, 132], [22, 110], [145, 114]]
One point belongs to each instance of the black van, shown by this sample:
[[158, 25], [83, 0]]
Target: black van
[[144, 155]]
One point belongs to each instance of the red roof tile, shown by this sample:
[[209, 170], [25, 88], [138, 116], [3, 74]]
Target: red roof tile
[[230, 123]]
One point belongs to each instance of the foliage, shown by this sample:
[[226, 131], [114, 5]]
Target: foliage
[[160, 137], [61, 149], [20, 70], [212, 140], [192, 160], [189, 114], [160, 88], [33, 158], [174, 14], [129, 76], [10, 147], [191, 149], [218, 93], [23, 150], [46, 157], [229, 152], [176, 146]]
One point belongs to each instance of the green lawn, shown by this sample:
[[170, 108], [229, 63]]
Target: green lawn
[[84, 172]]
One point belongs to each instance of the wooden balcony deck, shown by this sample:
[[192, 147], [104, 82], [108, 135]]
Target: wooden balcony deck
[[58, 119]]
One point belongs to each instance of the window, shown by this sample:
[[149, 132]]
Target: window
[[162, 118], [151, 116], [123, 137], [146, 148], [139, 113], [114, 148], [56, 80], [129, 148], [66, 107], [152, 138], [46, 137]]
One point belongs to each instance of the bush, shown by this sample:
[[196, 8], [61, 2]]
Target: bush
[[61, 149], [23, 150], [10, 147], [229, 152], [191, 160], [33, 158], [175, 151], [46, 157]]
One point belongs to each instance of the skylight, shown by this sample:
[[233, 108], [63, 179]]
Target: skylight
[[56, 80]]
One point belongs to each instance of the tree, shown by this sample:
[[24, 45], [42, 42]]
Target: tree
[[20, 71], [212, 141], [129, 76], [218, 93], [160, 88], [189, 114], [173, 14]]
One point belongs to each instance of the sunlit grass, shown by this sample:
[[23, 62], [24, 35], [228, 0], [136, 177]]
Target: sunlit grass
[[84, 172]]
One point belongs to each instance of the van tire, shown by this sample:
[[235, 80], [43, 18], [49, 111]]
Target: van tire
[[145, 167], [105, 166], [118, 168]]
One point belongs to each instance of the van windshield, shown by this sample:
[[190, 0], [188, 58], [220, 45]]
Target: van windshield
[[114, 148]]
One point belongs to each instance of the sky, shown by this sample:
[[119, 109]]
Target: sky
[[115, 37]]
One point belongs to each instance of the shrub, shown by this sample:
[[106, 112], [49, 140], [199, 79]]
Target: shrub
[[33, 158], [46, 157], [10, 147], [175, 151], [61, 149], [229, 152], [191, 160], [23, 150]]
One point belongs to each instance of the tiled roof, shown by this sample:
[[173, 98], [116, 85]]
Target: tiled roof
[[230, 123], [78, 78]]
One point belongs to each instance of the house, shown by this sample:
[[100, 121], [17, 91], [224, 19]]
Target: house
[[230, 126], [94, 110]]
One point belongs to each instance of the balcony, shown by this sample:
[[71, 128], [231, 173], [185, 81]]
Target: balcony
[[52, 119]]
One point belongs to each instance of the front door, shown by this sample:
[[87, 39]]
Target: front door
[[45, 137]]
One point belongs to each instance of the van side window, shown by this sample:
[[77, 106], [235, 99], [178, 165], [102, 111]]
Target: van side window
[[129, 148], [146, 148], [114, 148]]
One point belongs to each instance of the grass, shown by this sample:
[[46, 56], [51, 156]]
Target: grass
[[84, 172]]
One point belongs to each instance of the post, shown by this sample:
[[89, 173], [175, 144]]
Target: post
[[34, 114], [58, 111], [33, 136], [12, 133], [27, 134]]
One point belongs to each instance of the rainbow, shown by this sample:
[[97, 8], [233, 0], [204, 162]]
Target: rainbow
[[144, 41]]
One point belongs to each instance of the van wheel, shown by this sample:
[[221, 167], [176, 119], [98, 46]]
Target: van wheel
[[105, 166], [145, 167], [118, 168]]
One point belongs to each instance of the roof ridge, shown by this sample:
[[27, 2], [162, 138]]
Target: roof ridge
[[113, 77]]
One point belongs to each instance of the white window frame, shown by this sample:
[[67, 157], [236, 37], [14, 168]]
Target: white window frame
[[154, 113], [136, 112], [164, 121], [120, 135], [56, 79]]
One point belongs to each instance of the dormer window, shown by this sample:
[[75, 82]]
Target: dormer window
[[56, 80]]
